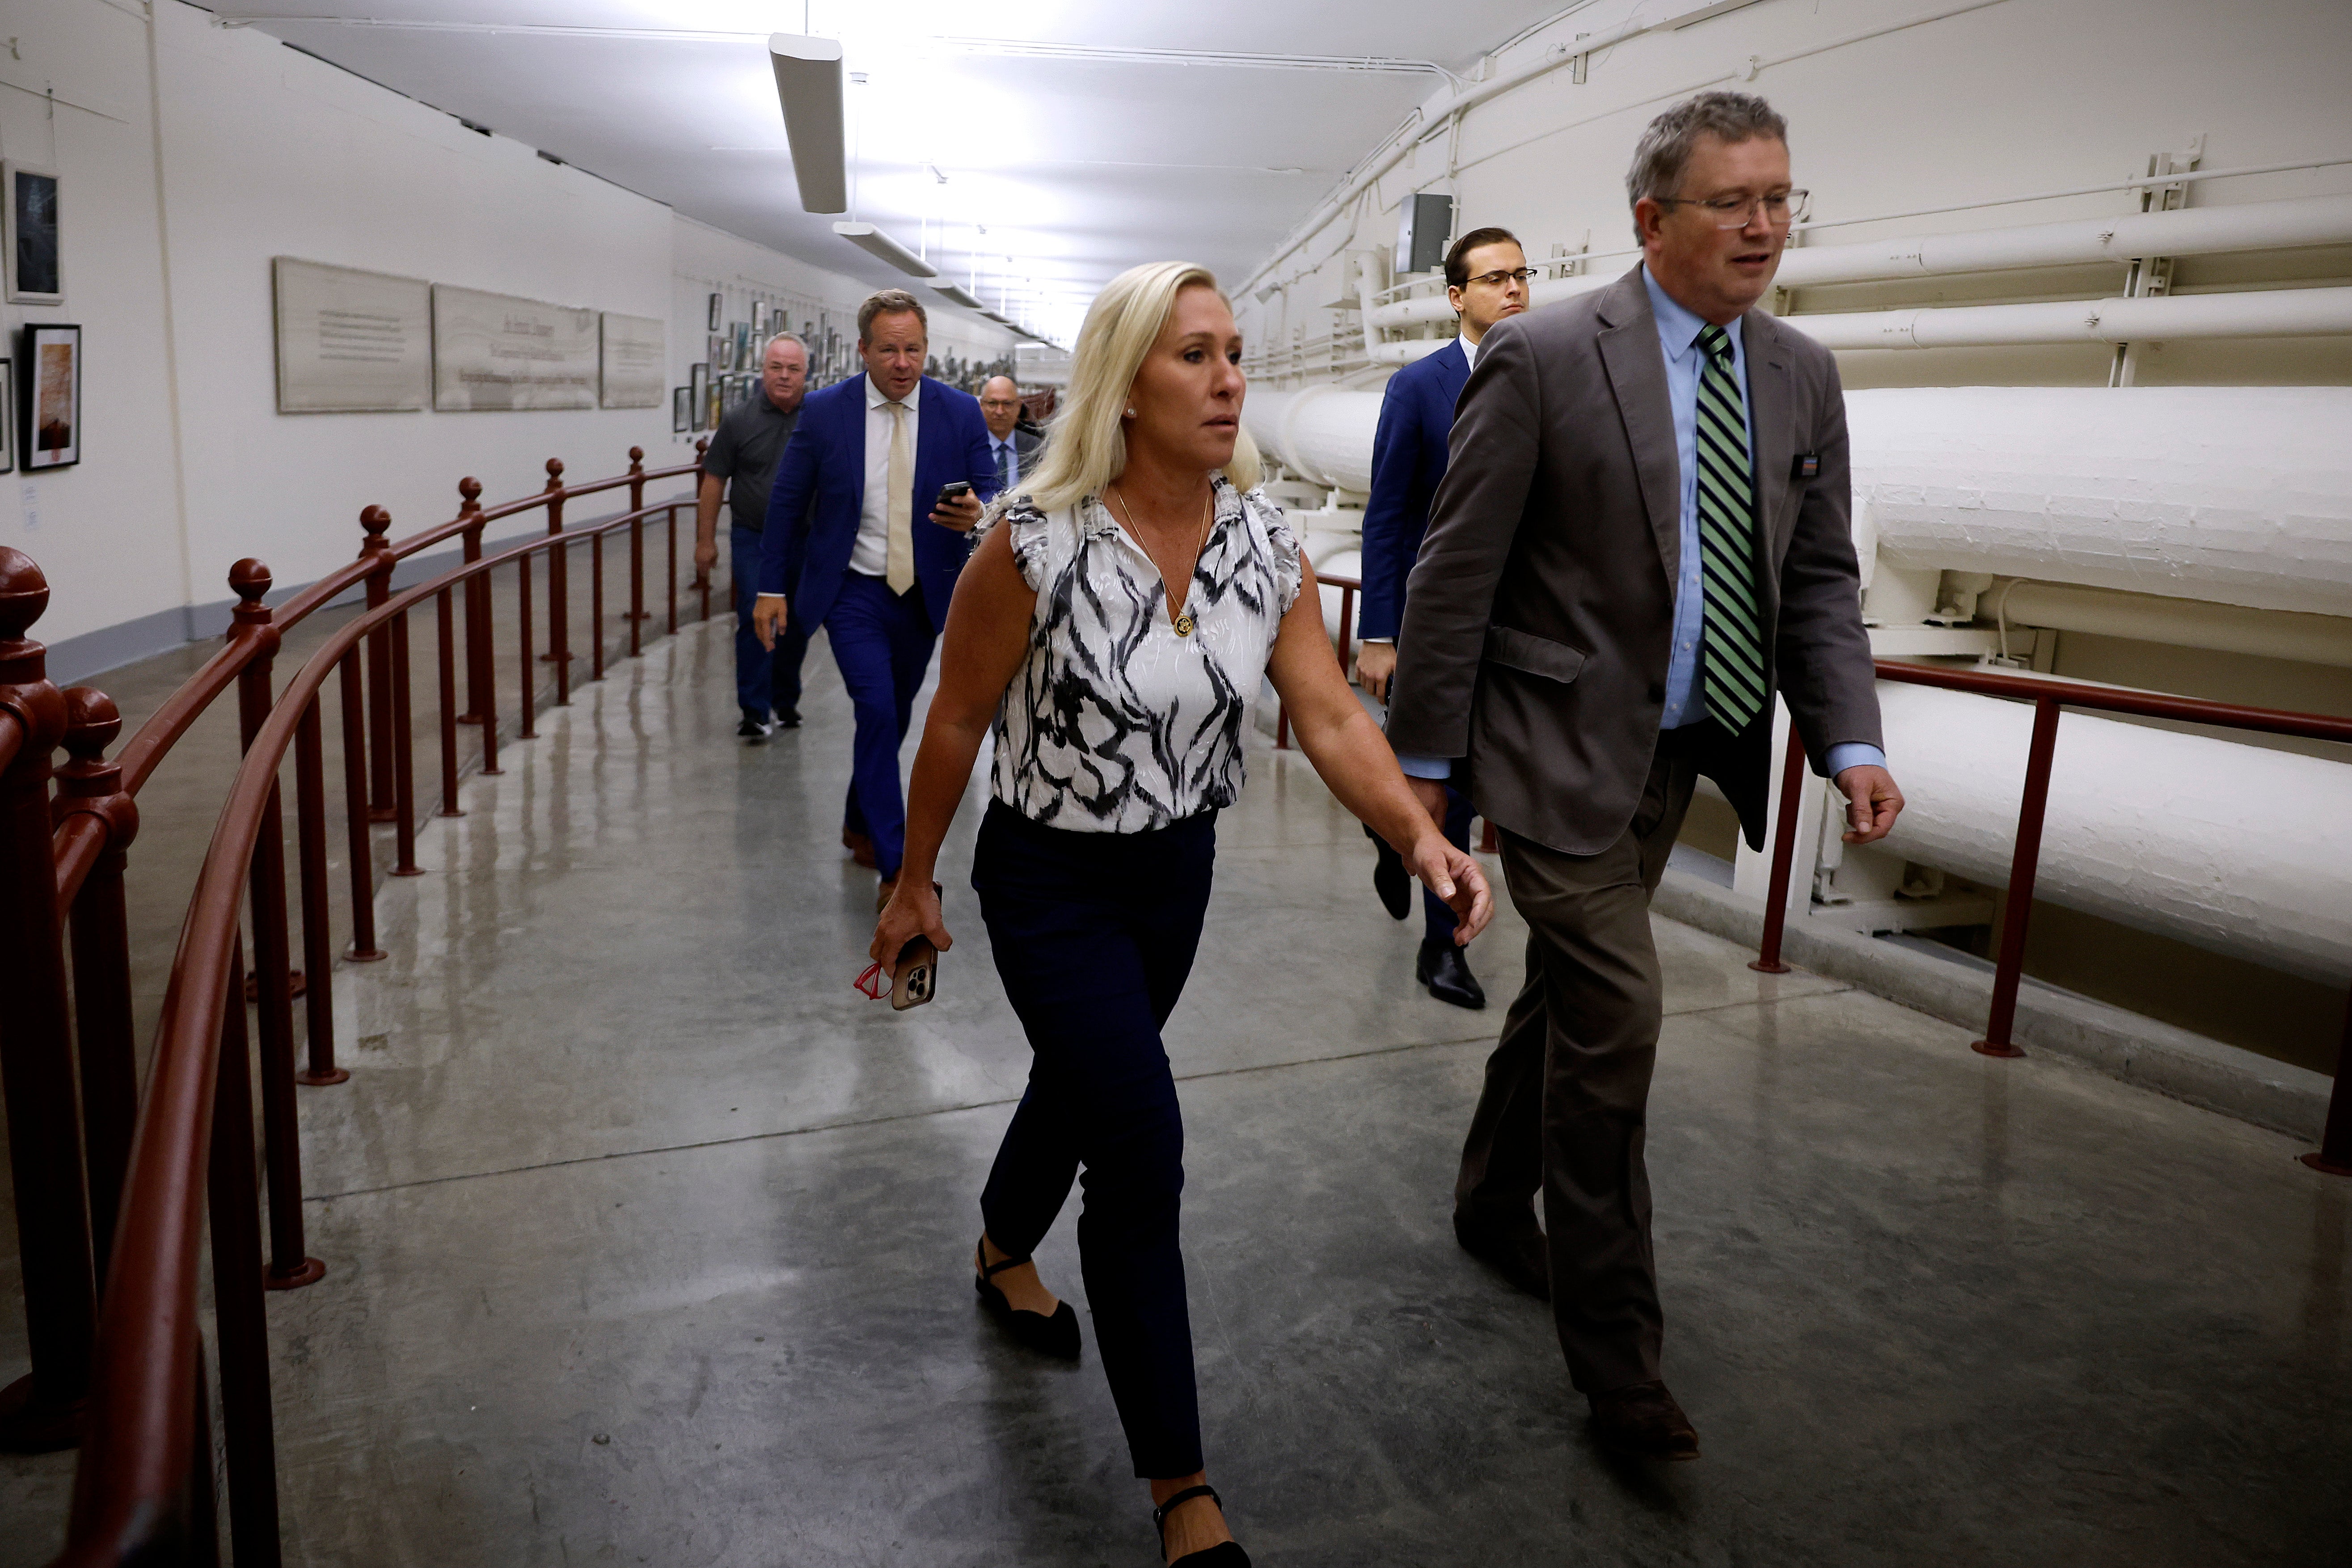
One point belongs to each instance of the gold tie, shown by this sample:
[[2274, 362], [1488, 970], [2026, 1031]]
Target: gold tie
[[898, 505]]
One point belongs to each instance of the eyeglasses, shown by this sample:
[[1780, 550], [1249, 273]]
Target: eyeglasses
[[1734, 212], [1496, 279]]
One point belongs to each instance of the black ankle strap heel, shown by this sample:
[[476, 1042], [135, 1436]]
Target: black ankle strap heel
[[1056, 1336], [1224, 1554]]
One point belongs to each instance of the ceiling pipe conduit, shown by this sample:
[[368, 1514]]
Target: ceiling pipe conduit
[[2178, 623], [2265, 313], [2191, 231]]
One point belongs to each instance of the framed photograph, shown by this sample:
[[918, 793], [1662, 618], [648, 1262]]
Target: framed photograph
[[681, 411], [716, 409], [697, 396], [8, 426], [53, 397], [743, 349], [714, 313], [714, 354], [760, 318], [36, 272]]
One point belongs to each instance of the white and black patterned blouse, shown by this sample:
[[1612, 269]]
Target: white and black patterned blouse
[[1115, 724]]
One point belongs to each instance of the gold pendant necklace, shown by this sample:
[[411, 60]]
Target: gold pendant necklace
[[1184, 624]]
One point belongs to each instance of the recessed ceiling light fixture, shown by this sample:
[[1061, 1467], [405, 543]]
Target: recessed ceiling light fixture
[[874, 242], [808, 81]]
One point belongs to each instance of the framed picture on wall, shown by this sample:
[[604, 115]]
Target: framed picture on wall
[[681, 412], [698, 395], [714, 313], [52, 400], [8, 426], [35, 271]]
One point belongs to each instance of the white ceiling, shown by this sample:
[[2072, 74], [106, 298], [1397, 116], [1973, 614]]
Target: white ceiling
[[1076, 167]]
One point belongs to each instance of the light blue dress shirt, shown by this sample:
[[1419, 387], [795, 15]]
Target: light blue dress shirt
[[1678, 331]]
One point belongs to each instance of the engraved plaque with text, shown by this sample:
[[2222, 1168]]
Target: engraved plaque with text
[[349, 340], [495, 351]]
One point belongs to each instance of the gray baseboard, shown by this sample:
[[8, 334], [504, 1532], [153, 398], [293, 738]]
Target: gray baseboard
[[2121, 1043]]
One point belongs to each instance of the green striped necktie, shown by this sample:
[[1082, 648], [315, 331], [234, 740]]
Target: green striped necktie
[[1734, 636]]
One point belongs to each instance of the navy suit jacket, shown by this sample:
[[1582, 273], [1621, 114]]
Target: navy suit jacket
[[819, 494], [1408, 460]]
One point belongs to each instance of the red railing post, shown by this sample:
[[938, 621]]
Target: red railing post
[[478, 674], [2017, 908], [91, 786], [559, 578], [673, 570], [318, 931], [46, 1409], [527, 724], [272, 955], [637, 612], [2334, 1155], [376, 520], [1784, 854], [596, 605], [444, 615], [355, 813], [404, 756], [241, 1325]]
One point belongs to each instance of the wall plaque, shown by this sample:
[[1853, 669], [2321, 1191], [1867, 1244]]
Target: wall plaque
[[495, 351], [634, 369], [349, 340]]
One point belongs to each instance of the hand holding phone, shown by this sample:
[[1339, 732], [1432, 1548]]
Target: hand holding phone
[[957, 506]]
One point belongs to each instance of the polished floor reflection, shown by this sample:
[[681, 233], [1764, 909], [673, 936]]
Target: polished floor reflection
[[646, 1234]]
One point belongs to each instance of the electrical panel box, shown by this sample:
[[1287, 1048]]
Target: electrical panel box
[[1422, 229]]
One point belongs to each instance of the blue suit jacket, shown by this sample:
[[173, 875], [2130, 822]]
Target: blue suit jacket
[[1408, 460], [820, 491]]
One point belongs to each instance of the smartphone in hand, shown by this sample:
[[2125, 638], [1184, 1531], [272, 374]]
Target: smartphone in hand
[[953, 492]]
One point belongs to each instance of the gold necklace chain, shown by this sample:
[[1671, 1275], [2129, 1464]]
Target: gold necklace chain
[[1183, 621]]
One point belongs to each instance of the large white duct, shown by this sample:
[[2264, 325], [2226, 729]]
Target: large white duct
[[2155, 317], [2241, 495], [2237, 848], [2189, 231]]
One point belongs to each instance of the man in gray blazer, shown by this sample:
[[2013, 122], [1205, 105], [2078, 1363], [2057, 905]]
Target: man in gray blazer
[[1641, 535]]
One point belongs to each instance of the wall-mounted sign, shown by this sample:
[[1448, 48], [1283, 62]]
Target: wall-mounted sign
[[495, 351], [351, 341], [634, 369]]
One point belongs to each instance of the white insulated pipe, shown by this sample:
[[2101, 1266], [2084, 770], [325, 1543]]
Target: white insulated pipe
[[2191, 231], [2240, 849], [2161, 317], [2241, 494], [2179, 623], [1323, 433]]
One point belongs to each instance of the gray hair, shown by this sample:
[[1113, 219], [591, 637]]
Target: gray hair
[[791, 338], [1663, 153]]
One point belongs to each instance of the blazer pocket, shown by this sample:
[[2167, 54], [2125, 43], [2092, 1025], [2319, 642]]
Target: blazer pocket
[[1524, 651]]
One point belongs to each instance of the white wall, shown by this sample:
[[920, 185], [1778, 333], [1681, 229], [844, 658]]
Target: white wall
[[188, 160]]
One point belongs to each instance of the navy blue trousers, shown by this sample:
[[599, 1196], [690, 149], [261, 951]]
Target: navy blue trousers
[[766, 680], [1094, 935], [882, 641], [1437, 921]]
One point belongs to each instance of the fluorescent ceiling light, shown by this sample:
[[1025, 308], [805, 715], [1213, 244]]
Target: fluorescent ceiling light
[[957, 292], [874, 242], [808, 81]]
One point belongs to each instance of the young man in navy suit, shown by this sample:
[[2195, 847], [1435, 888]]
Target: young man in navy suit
[[860, 541], [1486, 277]]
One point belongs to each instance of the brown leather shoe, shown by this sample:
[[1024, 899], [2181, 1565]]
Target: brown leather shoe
[[860, 848], [1518, 1259], [1644, 1422]]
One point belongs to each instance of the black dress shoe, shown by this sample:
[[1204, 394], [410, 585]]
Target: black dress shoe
[[1644, 1422], [1056, 1336], [755, 727], [1390, 880], [788, 718], [1518, 1259], [1223, 1554], [1443, 968]]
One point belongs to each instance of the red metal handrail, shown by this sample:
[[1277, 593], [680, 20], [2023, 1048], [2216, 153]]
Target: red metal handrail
[[2049, 696], [61, 863]]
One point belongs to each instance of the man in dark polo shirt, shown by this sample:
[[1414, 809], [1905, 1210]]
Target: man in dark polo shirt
[[742, 461]]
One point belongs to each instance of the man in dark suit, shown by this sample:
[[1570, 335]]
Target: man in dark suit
[[1642, 534], [847, 537], [1012, 446], [1486, 277]]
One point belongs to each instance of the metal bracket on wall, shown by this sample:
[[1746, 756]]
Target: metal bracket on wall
[[2152, 275]]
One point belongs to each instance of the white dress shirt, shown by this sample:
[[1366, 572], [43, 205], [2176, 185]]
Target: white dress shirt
[[871, 558]]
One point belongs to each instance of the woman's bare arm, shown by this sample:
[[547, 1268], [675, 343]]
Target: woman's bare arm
[[987, 638], [1353, 758]]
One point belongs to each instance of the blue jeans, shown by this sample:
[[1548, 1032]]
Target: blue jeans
[[1094, 935], [882, 641], [765, 681]]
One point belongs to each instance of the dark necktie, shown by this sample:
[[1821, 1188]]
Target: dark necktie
[[1004, 467]]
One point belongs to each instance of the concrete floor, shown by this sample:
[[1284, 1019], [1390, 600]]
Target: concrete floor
[[647, 1236]]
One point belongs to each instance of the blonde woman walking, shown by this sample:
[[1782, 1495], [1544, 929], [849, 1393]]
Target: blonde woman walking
[[1114, 627]]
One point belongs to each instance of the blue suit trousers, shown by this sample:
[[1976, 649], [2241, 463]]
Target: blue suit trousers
[[882, 641], [766, 680]]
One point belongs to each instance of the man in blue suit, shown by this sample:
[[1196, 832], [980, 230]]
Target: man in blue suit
[[1486, 277], [861, 539]]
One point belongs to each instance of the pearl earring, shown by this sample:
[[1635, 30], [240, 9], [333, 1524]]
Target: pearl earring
[[1130, 414]]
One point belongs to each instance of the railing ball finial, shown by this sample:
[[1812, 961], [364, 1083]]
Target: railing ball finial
[[554, 472], [249, 579], [636, 457], [92, 722], [469, 489], [701, 445], [375, 520], [24, 593]]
